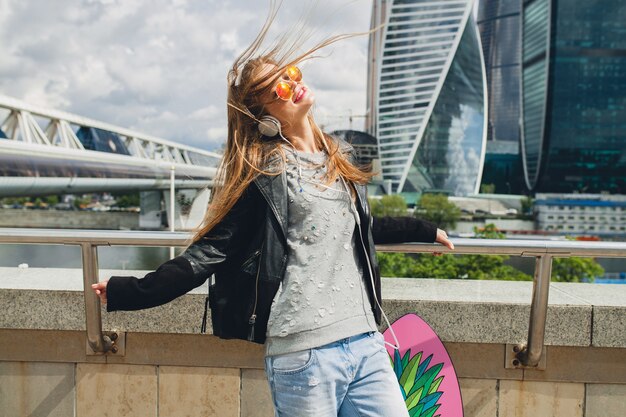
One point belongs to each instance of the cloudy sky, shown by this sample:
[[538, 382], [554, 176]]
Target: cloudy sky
[[159, 66]]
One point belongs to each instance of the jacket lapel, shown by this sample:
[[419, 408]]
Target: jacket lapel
[[274, 190]]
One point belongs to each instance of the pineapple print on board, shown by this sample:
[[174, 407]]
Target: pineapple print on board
[[424, 370]]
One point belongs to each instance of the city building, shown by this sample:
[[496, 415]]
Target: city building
[[588, 214], [503, 172], [573, 108], [427, 102], [499, 25]]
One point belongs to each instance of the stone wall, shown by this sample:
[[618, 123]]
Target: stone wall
[[168, 369]]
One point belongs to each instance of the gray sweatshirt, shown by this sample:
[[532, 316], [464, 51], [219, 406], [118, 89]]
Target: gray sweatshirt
[[322, 297]]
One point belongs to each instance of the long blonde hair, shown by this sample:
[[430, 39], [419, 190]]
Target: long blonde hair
[[247, 152]]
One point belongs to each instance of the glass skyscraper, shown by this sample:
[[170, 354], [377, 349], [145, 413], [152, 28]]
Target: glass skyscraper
[[500, 31], [427, 95], [574, 95], [499, 26]]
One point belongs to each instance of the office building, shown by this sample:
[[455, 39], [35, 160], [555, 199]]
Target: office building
[[427, 95], [573, 85]]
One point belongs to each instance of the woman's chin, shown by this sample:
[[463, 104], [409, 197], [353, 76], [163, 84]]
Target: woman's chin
[[307, 102]]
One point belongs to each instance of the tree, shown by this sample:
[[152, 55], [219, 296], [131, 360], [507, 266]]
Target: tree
[[527, 205], [388, 205], [490, 231], [437, 209], [127, 200], [490, 266], [575, 269], [449, 266], [487, 188]]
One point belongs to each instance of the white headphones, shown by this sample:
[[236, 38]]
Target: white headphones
[[269, 126]]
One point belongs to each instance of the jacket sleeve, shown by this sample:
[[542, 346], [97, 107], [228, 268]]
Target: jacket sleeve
[[402, 229], [188, 270]]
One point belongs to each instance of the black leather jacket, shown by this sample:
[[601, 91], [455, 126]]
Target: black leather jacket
[[248, 252]]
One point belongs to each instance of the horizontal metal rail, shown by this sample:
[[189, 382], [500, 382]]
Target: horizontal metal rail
[[88, 241], [528, 354]]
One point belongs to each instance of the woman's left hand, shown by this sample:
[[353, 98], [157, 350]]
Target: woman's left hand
[[442, 237]]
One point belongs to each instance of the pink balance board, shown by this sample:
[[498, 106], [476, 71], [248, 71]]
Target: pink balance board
[[424, 370]]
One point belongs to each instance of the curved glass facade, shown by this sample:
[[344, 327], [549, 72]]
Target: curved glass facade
[[536, 31], [574, 78], [449, 155], [499, 26], [419, 93]]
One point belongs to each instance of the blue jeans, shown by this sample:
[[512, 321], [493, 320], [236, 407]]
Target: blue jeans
[[351, 377]]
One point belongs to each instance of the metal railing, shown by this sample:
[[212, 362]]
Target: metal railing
[[88, 241], [525, 355]]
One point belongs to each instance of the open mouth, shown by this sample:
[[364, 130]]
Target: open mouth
[[299, 94]]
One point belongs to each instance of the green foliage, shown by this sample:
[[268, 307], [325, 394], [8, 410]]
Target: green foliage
[[37, 201], [450, 266], [51, 200], [127, 200], [575, 269], [424, 265], [81, 202], [437, 209], [490, 231], [402, 265], [388, 205], [487, 188], [527, 205]]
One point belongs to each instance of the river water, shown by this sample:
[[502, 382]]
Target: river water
[[59, 256]]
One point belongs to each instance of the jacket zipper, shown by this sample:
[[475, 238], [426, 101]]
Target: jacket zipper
[[252, 319], [250, 259]]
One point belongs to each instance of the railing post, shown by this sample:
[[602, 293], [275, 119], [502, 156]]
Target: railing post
[[98, 342], [530, 355]]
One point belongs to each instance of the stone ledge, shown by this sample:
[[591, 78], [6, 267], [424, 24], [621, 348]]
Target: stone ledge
[[471, 360], [459, 311]]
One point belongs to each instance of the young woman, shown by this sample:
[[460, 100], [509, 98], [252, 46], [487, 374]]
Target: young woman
[[290, 239]]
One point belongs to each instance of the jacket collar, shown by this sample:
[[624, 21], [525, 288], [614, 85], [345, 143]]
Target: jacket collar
[[274, 190]]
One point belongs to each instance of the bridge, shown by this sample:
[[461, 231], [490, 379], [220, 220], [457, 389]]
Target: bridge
[[46, 151]]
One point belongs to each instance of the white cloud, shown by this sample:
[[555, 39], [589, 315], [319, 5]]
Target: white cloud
[[160, 66]]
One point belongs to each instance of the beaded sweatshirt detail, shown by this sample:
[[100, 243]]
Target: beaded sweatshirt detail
[[322, 297]]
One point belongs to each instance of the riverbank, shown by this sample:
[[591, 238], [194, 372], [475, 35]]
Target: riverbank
[[71, 219]]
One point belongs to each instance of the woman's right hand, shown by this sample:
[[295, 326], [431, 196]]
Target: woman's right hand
[[101, 290]]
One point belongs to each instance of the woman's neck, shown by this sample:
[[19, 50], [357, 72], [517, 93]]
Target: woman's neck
[[301, 136]]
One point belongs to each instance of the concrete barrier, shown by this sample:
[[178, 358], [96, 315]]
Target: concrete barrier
[[169, 369]]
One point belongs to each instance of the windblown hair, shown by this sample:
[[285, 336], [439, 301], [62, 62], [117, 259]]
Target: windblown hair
[[248, 152]]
